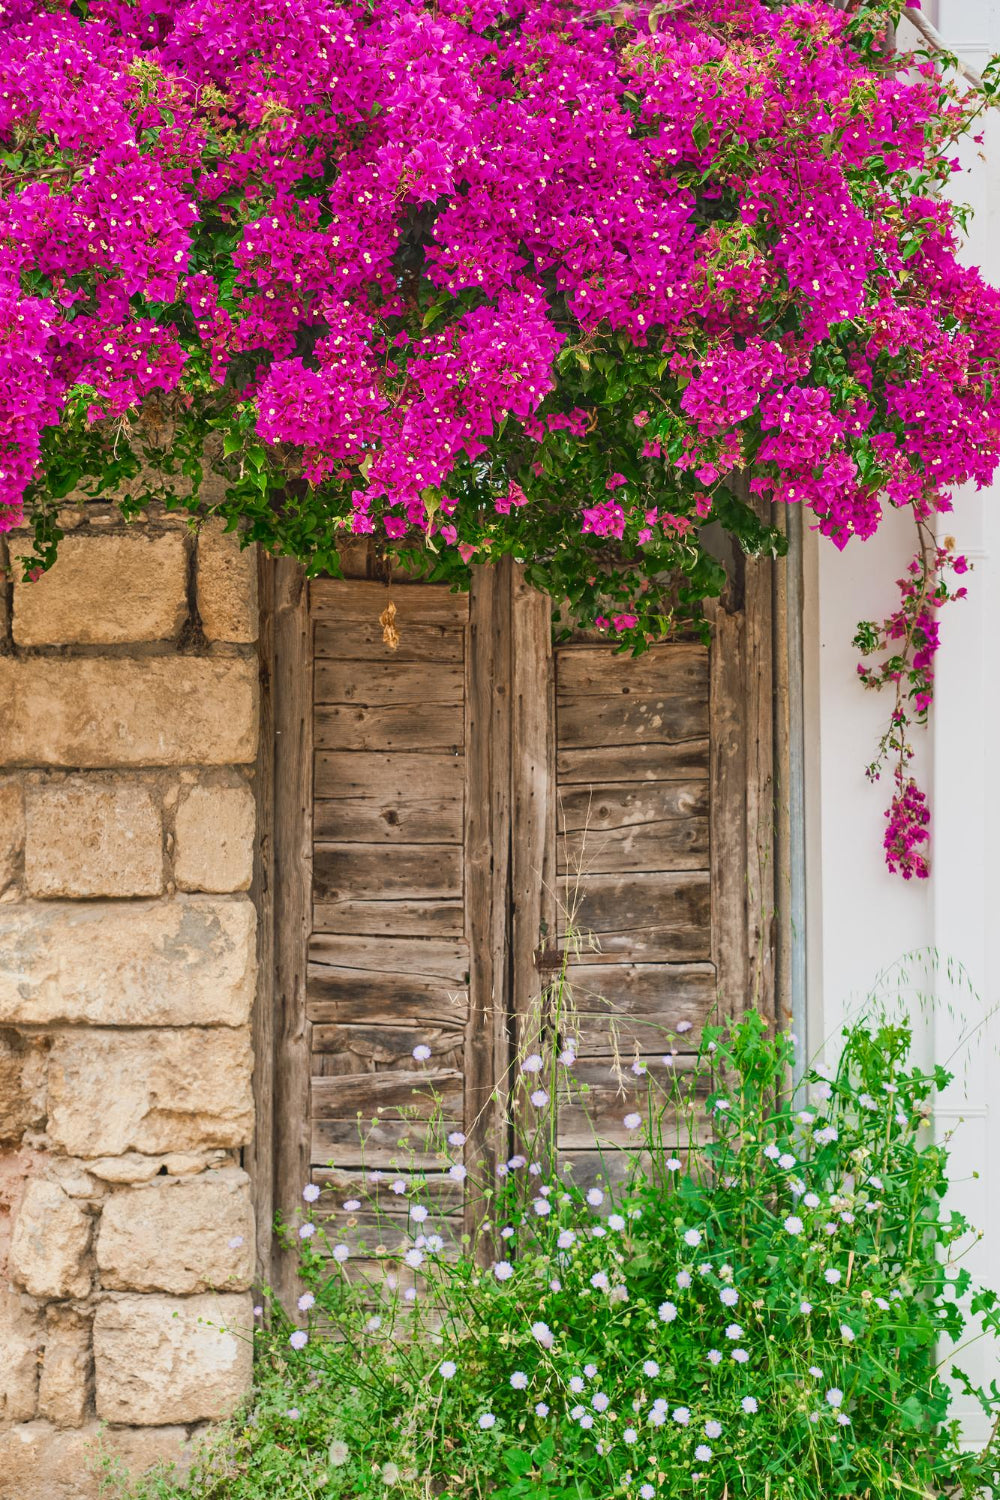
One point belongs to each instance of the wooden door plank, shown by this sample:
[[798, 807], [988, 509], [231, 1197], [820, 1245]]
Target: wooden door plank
[[487, 865], [386, 1044], [443, 962], [389, 682], [730, 944], [658, 762], [597, 721], [362, 640], [376, 1143], [346, 995], [354, 773], [392, 1095], [673, 668], [347, 599], [404, 917], [358, 872], [646, 918], [413, 817], [391, 727], [681, 993], [291, 689]]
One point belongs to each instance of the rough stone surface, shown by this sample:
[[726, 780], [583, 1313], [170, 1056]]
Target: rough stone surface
[[48, 1249], [22, 1083], [193, 1234], [187, 962], [20, 1344], [169, 1359], [105, 590], [227, 585], [93, 838], [107, 711], [62, 1390], [214, 833], [11, 831], [149, 1091], [38, 1462]]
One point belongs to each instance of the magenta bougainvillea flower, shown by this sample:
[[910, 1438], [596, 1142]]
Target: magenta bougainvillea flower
[[479, 277]]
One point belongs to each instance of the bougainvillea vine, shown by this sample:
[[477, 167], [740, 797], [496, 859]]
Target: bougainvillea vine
[[490, 276]]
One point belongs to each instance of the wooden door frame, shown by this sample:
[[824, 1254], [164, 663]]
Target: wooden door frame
[[510, 841]]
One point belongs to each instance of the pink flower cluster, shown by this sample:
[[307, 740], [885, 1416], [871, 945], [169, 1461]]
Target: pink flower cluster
[[421, 254]]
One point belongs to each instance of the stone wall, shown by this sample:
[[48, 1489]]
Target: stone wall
[[128, 735]]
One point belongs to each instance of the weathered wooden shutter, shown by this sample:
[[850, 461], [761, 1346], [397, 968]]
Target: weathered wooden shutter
[[439, 809]]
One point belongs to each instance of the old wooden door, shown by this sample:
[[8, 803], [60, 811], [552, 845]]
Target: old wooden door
[[439, 808]]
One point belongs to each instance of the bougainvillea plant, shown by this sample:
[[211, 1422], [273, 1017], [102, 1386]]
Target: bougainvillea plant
[[494, 276]]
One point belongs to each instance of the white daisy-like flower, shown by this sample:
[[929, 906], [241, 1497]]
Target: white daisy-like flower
[[590, 1371], [681, 1415], [656, 1418], [646, 1492], [541, 1410], [630, 1435], [834, 1396], [299, 1339], [503, 1270], [831, 1275], [337, 1454], [632, 1121], [542, 1206], [771, 1151], [414, 1258], [306, 1231], [421, 1052], [456, 1138], [507, 1232], [740, 1355], [399, 1186], [306, 1301], [566, 1238], [805, 1308], [651, 1368], [793, 1224], [457, 1172], [729, 1296], [519, 1380], [543, 1334], [601, 1402], [815, 1372], [714, 1356], [713, 1429], [615, 1221], [599, 1281], [487, 1420], [847, 1333], [586, 1421], [310, 1192], [734, 1331], [447, 1369], [352, 1205], [567, 1057], [341, 1253], [667, 1312], [843, 1419], [595, 1197], [532, 1063], [374, 1323], [811, 1200], [692, 1237], [673, 1165], [749, 1405], [418, 1213], [683, 1280], [576, 1384], [786, 1161], [539, 1098], [703, 1453], [683, 1026]]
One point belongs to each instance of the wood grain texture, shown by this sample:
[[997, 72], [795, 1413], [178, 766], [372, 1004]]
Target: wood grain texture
[[345, 871], [393, 1094], [353, 773], [681, 762], [594, 722], [487, 865], [392, 682], [675, 668], [368, 1140], [291, 696], [260, 1154], [400, 726], [361, 640], [400, 918], [344, 600], [646, 918], [634, 827], [380, 1044], [416, 818]]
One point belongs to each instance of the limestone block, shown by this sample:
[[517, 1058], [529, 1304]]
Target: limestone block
[[48, 1249], [39, 1462], [93, 838], [20, 1346], [11, 831], [22, 1083], [187, 962], [171, 1359], [227, 584], [190, 1234], [109, 711], [149, 1091], [62, 1391], [103, 590], [214, 833]]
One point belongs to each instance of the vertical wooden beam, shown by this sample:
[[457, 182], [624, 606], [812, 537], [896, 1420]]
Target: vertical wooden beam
[[259, 1156], [762, 919], [487, 870], [534, 895], [727, 806], [292, 694]]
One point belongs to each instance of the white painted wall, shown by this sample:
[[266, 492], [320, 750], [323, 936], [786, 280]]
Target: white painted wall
[[862, 922]]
